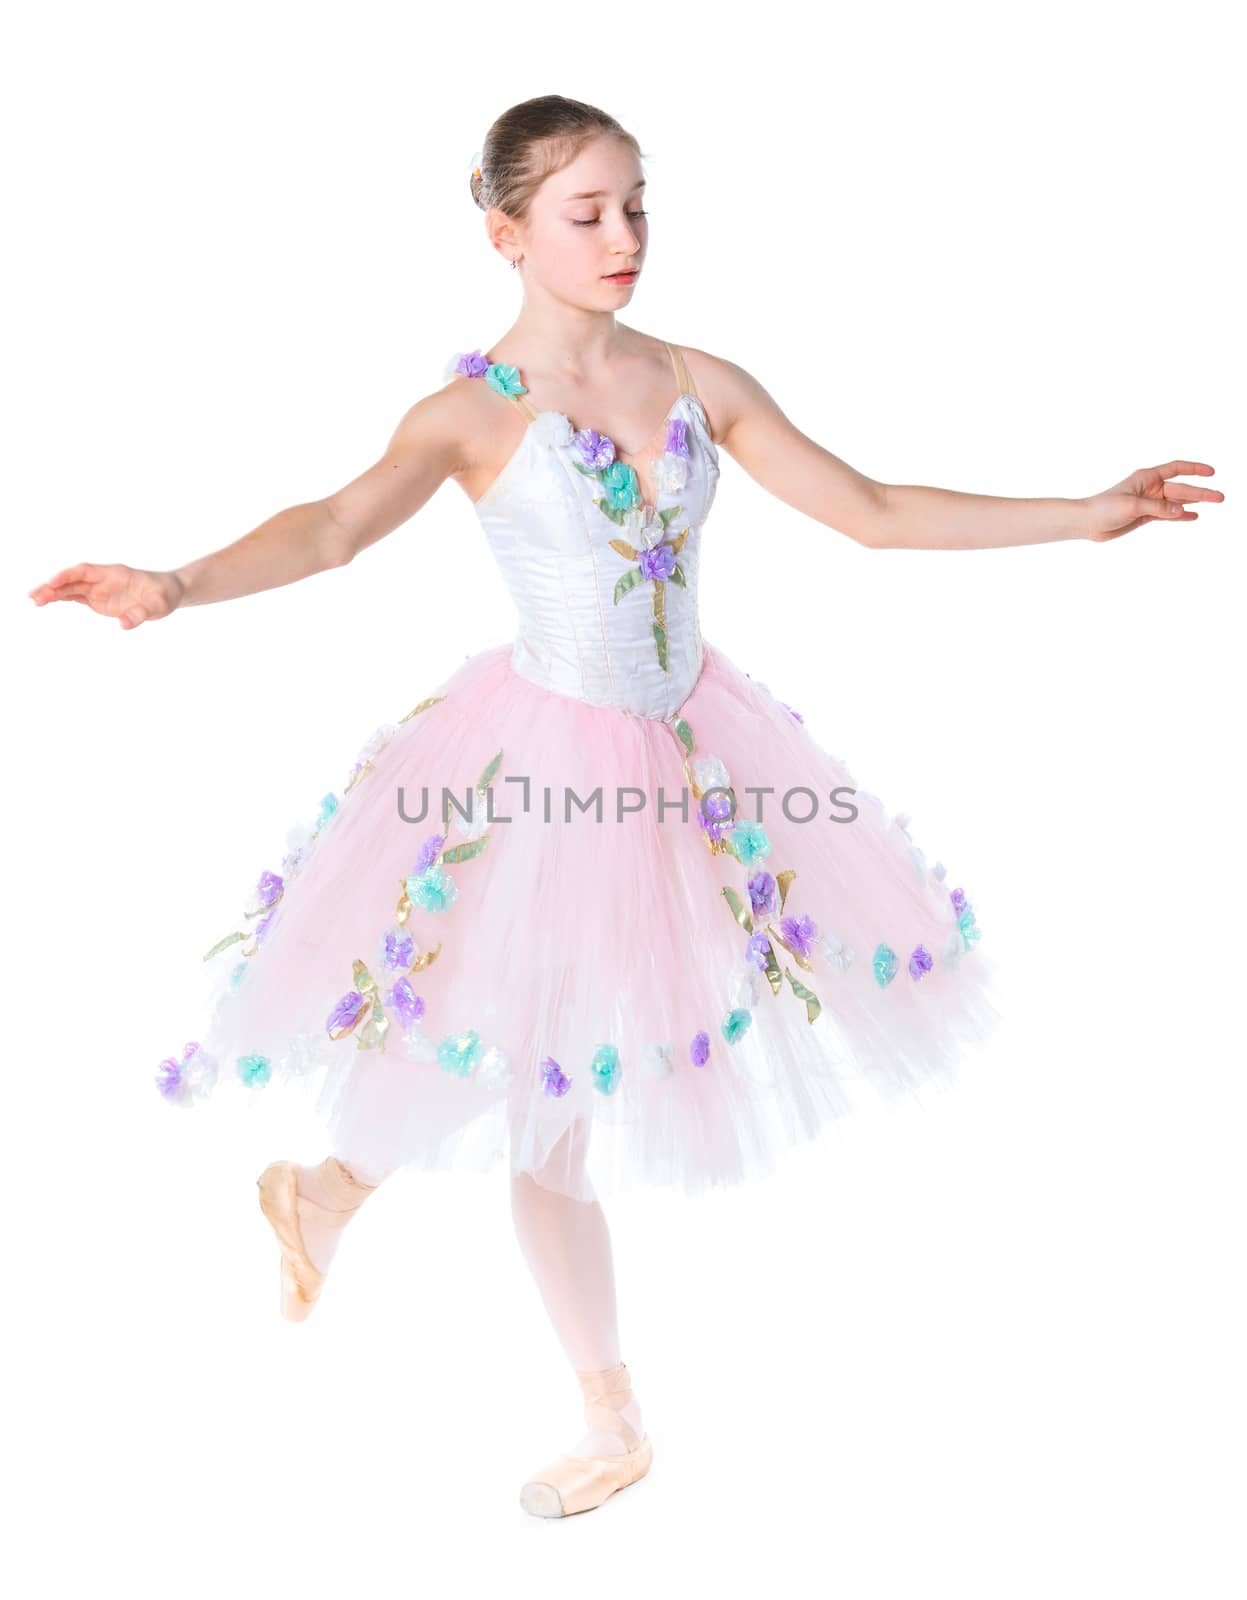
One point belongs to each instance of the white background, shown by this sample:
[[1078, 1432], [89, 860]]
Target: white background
[[991, 1349]]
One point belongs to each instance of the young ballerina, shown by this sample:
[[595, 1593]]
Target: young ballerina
[[564, 953]]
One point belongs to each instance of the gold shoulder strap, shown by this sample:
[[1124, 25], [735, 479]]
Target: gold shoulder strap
[[683, 377]]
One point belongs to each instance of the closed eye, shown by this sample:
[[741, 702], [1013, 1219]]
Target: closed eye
[[592, 222]]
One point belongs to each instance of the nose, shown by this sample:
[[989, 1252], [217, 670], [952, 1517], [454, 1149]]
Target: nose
[[625, 239]]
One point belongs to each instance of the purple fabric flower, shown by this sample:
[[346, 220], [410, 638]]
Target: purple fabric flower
[[699, 1050], [429, 852], [472, 365], [406, 1002], [169, 1078], [596, 450], [399, 949], [757, 950], [262, 927], [346, 1013], [795, 715], [800, 932], [714, 813], [677, 442], [920, 961], [657, 562], [959, 900], [553, 1079], [268, 890], [762, 894]]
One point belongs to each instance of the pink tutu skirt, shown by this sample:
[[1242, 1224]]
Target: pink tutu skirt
[[533, 927]]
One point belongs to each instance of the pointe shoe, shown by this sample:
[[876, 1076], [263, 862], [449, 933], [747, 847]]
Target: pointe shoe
[[581, 1483], [301, 1279]]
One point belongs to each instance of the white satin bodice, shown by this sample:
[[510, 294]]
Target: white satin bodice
[[553, 546]]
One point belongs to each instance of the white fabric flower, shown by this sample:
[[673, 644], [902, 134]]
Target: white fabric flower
[[643, 526], [299, 846], [747, 989], [670, 473], [418, 1045], [552, 427], [473, 826], [656, 1059], [493, 1069], [710, 773], [954, 947], [452, 365], [377, 741], [837, 955]]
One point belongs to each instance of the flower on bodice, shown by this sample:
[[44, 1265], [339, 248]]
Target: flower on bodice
[[677, 437], [596, 450], [658, 562], [670, 474], [620, 482], [655, 563], [552, 427]]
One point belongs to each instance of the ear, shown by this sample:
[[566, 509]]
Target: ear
[[502, 233]]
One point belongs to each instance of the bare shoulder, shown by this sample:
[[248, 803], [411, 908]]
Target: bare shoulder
[[726, 390], [460, 424], [448, 417]]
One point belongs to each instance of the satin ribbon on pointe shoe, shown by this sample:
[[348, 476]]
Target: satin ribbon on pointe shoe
[[301, 1279], [581, 1483]]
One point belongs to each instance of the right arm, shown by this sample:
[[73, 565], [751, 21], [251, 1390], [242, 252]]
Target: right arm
[[426, 449]]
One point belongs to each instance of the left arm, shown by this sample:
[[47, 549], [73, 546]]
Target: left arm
[[887, 516]]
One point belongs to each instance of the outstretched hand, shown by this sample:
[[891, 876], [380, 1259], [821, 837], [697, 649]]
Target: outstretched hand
[[1147, 496], [127, 593]]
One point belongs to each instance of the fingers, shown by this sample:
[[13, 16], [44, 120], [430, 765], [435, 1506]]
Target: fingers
[[1162, 510], [66, 591], [80, 572], [1191, 491]]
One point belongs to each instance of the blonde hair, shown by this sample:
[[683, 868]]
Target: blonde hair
[[530, 141]]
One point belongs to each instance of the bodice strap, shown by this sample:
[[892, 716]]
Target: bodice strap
[[683, 377]]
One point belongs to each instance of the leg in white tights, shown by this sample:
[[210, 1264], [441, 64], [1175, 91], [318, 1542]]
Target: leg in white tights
[[567, 1245]]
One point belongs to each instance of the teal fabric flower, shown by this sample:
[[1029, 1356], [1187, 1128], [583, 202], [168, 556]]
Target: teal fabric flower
[[621, 485], [459, 1052], [748, 842], [884, 964], [735, 1023], [605, 1067], [434, 890], [255, 1070], [505, 377]]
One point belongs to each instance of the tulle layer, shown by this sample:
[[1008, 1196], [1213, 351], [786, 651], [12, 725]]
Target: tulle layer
[[577, 969]]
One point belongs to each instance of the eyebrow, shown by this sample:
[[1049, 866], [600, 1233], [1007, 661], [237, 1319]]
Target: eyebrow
[[601, 194]]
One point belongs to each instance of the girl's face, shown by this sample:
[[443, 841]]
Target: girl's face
[[587, 221]]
